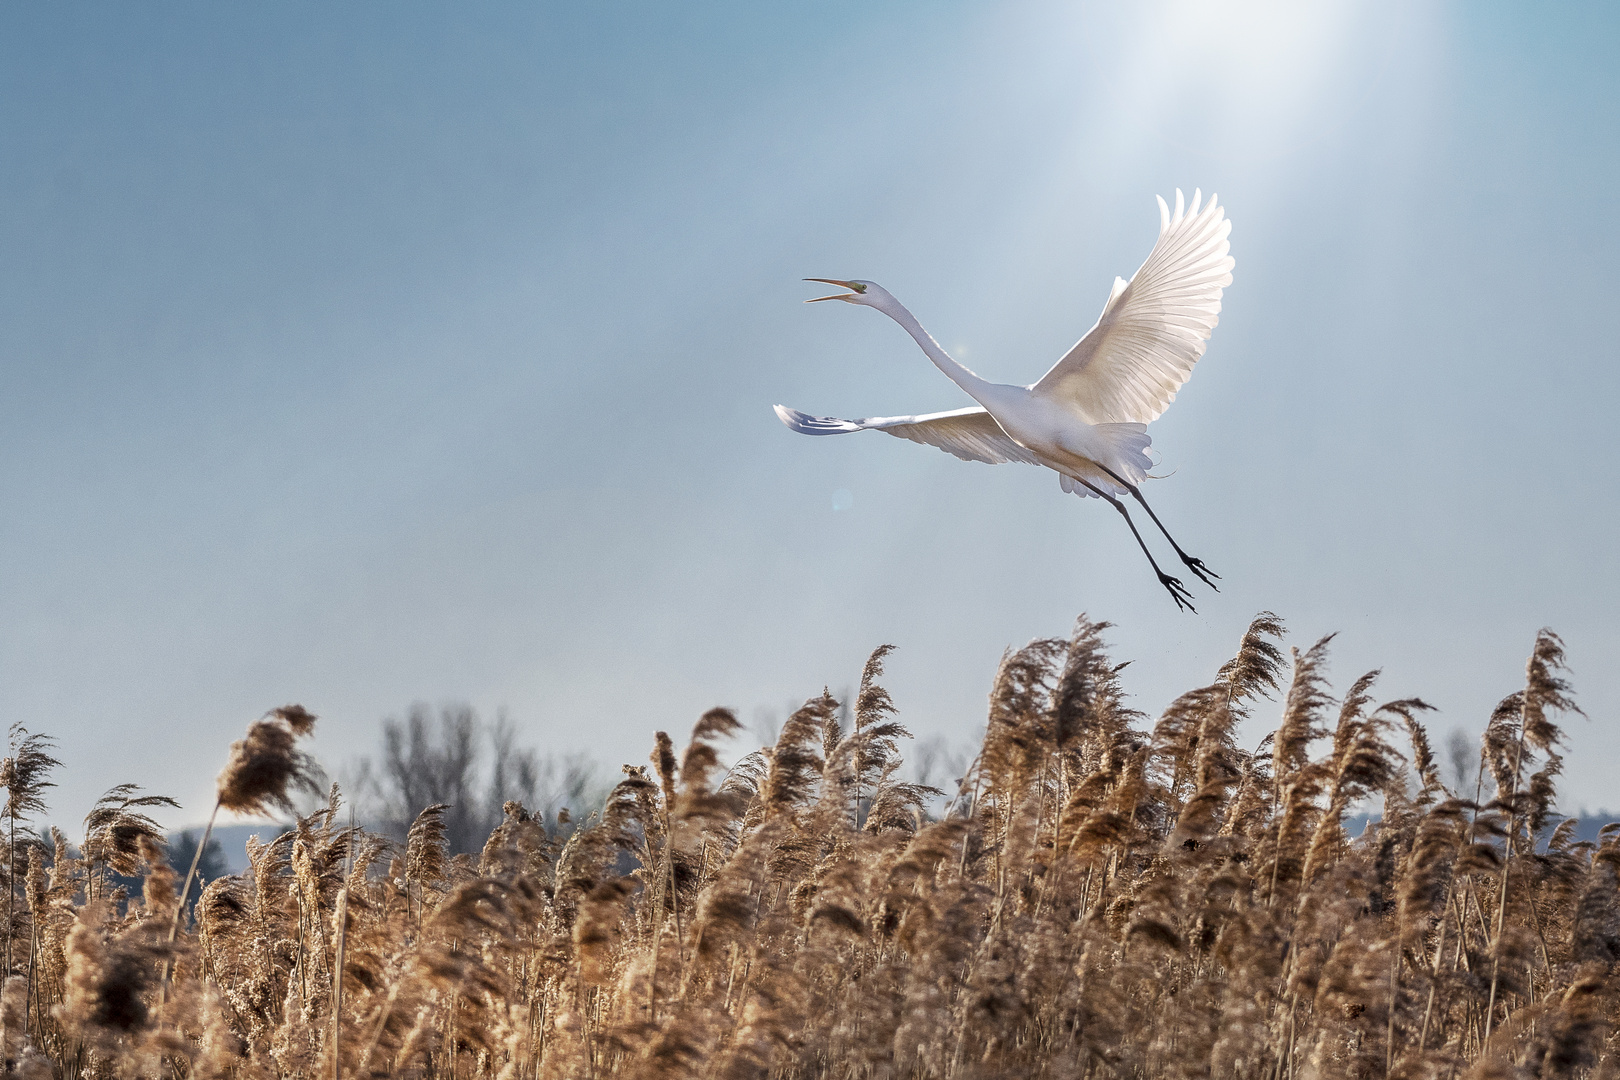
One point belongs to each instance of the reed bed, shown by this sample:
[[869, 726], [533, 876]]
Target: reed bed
[[1102, 897]]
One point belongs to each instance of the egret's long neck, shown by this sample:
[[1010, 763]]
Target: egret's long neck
[[954, 371]]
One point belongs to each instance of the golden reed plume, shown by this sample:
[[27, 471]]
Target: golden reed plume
[[1098, 896]]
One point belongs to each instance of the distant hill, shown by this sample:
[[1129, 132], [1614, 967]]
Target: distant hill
[[233, 838], [1586, 827]]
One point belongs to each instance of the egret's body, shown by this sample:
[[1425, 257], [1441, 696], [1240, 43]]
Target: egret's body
[[1086, 418]]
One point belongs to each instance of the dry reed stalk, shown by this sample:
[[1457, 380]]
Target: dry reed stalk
[[1097, 902], [262, 769]]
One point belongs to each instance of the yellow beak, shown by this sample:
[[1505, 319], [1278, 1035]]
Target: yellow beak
[[836, 296]]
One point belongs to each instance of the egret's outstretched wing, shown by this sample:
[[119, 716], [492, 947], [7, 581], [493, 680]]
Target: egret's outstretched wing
[[971, 434], [1128, 368]]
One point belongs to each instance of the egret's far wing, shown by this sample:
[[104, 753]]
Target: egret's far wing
[[1152, 331], [971, 434]]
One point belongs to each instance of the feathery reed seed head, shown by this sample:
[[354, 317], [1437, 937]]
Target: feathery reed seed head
[[266, 766]]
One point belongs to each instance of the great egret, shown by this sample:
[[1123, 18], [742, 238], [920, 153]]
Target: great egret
[[1085, 419]]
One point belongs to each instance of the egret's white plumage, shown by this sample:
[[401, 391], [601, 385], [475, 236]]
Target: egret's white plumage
[[969, 433], [1152, 330], [1086, 418]]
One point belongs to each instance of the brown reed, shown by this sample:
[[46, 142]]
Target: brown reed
[[1100, 897]]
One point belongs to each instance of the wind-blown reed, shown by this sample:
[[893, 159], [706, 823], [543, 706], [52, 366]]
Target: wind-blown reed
[[1101, 897]]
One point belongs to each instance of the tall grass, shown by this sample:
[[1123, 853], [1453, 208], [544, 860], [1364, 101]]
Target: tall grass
[[1101, 897]]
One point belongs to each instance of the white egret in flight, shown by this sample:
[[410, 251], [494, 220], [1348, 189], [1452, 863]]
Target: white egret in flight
[[1086, 419]]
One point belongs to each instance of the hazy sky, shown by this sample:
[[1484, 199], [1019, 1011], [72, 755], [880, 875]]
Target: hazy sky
[[368, 354]]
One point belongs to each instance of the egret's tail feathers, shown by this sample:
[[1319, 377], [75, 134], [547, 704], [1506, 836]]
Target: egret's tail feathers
[[1113, 460], [1072, 486], [805, 424], [1125, 450]]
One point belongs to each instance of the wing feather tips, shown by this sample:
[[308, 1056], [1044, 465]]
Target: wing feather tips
[[805, 424]]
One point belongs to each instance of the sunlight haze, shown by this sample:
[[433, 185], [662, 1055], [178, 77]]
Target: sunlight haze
[[365, 355]]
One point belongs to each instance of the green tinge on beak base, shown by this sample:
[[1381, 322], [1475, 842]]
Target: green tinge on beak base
[[856, 289]]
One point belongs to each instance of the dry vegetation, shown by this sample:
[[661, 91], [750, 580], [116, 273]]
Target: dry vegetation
[[1102, 898]]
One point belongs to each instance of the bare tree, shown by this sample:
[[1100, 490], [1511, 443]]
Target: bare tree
[[939, 762], [1462, 754], [431, 760], [438, 756]]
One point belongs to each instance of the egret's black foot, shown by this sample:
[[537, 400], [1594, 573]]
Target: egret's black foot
[[1178, 592], [1204, 573]]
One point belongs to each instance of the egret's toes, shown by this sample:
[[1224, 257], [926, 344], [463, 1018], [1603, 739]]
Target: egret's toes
[[1196, 565], [1178, 592]]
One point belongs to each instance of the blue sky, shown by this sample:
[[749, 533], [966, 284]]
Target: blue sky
[[374, 354]]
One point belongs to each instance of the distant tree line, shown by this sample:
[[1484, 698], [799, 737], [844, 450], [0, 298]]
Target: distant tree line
[[452, 756]]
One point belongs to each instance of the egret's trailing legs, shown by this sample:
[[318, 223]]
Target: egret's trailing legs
[[1196, 565], [1178, 592]]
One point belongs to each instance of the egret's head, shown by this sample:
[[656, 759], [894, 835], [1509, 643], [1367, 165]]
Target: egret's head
[[865, 293]]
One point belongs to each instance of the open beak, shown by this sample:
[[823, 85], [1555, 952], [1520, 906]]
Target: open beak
[[836, 296]]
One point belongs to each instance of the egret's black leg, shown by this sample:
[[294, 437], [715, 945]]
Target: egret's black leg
[[1196, 565], [1178, 592]]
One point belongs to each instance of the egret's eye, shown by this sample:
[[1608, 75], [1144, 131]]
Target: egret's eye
[[857, 286]]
